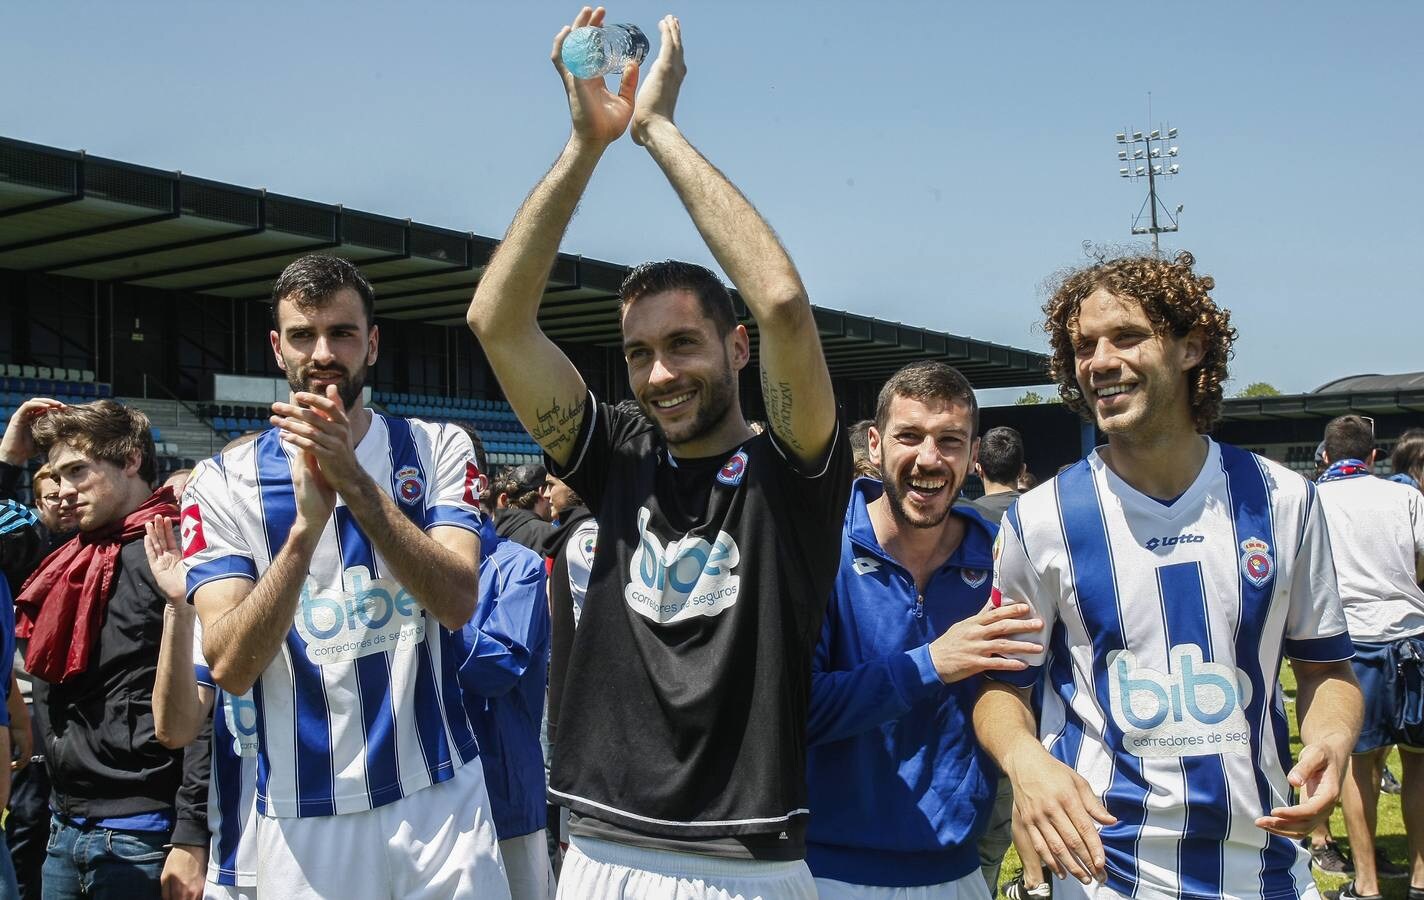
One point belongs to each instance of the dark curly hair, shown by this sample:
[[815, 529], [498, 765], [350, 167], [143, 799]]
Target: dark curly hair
[[1176, 300]]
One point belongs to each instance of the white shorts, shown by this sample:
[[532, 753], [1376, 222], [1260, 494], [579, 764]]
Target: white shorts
[[437, 843], [968, 887], [214, 891], [526, 864], [604, 870]]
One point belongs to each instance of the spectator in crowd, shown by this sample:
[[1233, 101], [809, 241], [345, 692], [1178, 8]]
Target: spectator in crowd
[[681, 737], [1166, 565], [504, 677], [1377, 537], [859, 449], [177, 480], [347, 617], [1027, 482], [999, 466], [523, 510], [27, 825], [128, 820], [570, 551], [1407, 461], [900, 790]]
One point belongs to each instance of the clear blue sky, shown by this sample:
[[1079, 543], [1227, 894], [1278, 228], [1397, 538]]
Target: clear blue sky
[[931, 163]]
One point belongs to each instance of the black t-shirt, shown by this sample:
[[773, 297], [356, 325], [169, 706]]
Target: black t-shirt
[[684, 711]]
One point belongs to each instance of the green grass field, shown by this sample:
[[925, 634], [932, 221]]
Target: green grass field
[[1389, 834]]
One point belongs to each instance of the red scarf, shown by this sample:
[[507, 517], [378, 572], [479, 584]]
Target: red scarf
[[61, 606]]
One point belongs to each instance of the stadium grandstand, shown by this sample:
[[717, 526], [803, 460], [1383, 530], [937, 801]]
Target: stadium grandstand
[[153, 287]]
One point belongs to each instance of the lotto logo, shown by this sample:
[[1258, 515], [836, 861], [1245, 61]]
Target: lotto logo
[[190, 531], [1173, 540], [1194, 709]]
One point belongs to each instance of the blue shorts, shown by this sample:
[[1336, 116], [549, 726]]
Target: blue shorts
[[1390, 689]]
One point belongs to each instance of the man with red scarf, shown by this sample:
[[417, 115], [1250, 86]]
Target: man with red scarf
[[93, 614]]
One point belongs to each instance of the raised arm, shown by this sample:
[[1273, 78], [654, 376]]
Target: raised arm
[[796, 385], [542, 385], [180, 704]]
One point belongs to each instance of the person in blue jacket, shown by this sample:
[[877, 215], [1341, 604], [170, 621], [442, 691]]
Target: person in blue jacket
[[899, 788], [503, 681]]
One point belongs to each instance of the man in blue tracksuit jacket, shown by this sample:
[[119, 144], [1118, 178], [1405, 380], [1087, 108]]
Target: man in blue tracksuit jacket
[[899, 788], [503, 681]]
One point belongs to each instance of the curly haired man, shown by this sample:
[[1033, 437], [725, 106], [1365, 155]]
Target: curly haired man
[[1171, 573]]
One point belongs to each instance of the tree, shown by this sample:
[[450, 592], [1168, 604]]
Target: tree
[[1258, 389], [1030, 398]]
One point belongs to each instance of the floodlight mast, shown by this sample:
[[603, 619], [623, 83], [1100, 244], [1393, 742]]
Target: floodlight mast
[[1155, 145]]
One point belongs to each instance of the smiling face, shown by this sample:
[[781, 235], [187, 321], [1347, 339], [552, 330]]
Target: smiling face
[[683, 373], [1133, 377], [326, 343], [923, 455]]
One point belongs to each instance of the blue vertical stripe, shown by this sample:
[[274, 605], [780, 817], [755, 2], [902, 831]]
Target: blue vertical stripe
[[373, 674], [1070, 740], [1200, 852], [429, 723], [227, 790], [312, 729], [1095, 583], [1251, 518]]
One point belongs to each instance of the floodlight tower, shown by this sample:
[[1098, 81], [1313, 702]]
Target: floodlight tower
[[1151, 148]]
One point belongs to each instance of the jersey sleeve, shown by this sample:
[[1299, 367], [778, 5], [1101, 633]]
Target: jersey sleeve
[[456, 482], [1315, 622], [213, 547], [823, 487], [1017, 581], [601, 428]]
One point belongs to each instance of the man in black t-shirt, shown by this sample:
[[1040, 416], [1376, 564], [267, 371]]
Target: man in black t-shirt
[[682, 734]]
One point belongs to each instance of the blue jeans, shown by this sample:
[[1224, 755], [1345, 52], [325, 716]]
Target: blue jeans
[[100, 863], [9, 889]]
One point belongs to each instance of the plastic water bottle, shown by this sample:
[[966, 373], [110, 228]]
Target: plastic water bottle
[[591, 52]]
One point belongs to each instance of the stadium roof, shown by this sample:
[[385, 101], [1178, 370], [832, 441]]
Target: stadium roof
[[1357, 383], [68, 213]]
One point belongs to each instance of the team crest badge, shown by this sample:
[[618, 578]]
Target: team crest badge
[[732, 472], [1256, 562], [974, 577], [409, 485], [190, 531]]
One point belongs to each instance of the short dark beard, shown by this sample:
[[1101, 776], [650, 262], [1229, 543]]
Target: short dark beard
[[716, 406], [896, 501], [349, 388]]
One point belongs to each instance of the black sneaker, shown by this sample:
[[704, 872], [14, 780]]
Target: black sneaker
[[1329, 858], [1389, 784], [1348, 893], [1386, 869], [1017, 890]]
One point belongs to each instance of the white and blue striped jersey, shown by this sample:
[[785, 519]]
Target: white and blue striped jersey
[[1164, 628], [361, 705], [232, 785]]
